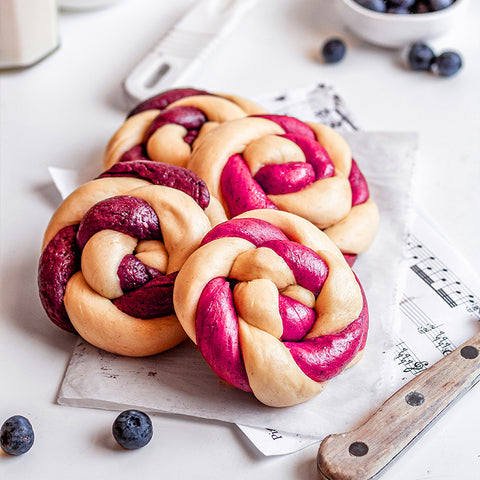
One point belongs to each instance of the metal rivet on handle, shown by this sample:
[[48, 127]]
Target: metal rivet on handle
[[358, 449], [469, 352], [414, 399]]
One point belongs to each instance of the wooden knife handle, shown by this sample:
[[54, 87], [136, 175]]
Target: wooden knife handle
[[364, 452]]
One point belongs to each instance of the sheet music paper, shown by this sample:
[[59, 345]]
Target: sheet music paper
[[318, 103], [440, 306]]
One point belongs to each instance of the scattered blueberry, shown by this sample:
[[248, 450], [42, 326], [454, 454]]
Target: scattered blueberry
[[333, 50], [375, 5], [16, 435], [436, 5], [420, 56], [447, 64], [132, 429]]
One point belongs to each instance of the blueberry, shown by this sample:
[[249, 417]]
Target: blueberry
[[400, 3], [333, 50], [375, 5], [420, 56], [420, 7], [439, 4], [398, 10], [132, 429], [447, 64], [16, 435]]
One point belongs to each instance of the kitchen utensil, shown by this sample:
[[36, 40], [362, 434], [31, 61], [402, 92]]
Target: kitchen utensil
[[365, 452], [185, 46]]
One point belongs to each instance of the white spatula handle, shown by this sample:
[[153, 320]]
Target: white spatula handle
[[185, 46]]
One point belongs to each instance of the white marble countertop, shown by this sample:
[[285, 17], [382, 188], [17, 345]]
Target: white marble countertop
[[62, 111]]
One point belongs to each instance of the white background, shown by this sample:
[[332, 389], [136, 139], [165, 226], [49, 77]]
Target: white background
[[62, 111]]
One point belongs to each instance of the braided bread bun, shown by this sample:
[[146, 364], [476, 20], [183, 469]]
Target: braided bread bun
[[163, 128], [279, 162], [272, 305], [111, 253]]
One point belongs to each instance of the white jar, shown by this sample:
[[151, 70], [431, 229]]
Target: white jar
[[28, 31]]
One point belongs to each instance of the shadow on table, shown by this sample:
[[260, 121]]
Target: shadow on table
[[21, 304]]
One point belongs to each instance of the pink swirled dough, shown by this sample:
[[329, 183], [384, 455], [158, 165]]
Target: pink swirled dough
[[272, 305], [164, 127], [278, 162], [112, 251]]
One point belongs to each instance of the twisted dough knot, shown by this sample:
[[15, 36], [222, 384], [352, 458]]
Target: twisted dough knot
[[272, 305], [112, 251], [279, 162], [164, 127]]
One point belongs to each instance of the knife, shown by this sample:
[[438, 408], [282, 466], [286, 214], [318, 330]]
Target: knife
[[364, 453]]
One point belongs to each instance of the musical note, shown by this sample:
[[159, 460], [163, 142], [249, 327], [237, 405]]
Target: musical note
[[407, 360], [425, 326], [438, 277]]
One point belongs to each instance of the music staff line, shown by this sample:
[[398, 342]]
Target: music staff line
[[426, 327], [407, 360], [437, 276]]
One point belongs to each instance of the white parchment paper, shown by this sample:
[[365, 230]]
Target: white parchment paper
[[180, 382]]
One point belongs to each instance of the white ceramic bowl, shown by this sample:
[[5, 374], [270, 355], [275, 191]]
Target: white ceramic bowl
[[395, 30]]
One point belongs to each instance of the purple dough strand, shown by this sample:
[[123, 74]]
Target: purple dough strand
[[189, 117], [360, 193], [59, 261], [137, 152], [125, 214], [290, 125], [217, 333], [164, 174], [289, 177], [240, 191], [309, 269], [296, 317], [133, 273], [315, 155], [279, 179], [163, 100], [254, 230], [324, 357], [190, 136], [154, 299]]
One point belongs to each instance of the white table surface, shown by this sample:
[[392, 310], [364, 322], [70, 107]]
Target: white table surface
[[62, 111]]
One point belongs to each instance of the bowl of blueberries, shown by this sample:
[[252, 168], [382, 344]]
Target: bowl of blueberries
[[397, 23]]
